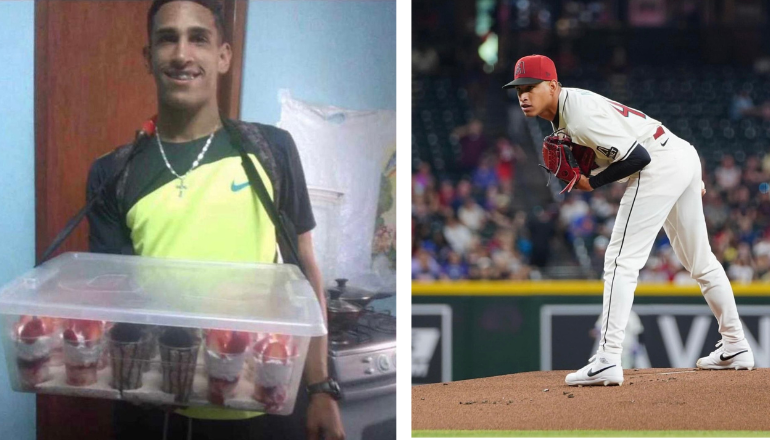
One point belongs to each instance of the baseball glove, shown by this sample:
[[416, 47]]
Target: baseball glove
[[566, 160]]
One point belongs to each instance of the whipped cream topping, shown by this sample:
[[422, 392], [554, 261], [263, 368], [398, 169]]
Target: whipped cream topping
[[81, 354], [223, 365], [272, 373], [40, 348]]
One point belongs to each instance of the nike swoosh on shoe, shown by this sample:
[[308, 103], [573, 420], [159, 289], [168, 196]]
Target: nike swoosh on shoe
[[722, 356], [592, 373]]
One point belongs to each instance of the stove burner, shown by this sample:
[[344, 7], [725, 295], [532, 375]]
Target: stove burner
[[351, 337], [380, 322], [370, 325]]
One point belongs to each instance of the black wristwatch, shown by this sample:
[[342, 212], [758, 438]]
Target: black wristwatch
[[329, 386]]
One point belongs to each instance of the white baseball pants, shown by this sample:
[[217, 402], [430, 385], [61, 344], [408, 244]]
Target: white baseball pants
[[667, 193]]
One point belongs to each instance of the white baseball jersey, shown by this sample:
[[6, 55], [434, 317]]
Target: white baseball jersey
[[666, 193], [609, 128]]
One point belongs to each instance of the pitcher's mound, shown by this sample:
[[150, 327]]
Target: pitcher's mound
[[653, 399]]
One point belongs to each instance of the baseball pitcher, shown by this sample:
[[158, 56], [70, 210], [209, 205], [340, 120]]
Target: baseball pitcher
[[597, 141]]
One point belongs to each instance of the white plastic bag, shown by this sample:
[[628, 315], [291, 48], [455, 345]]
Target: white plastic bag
[[344, 150]]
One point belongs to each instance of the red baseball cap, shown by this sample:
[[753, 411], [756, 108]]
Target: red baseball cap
[[532, 69]]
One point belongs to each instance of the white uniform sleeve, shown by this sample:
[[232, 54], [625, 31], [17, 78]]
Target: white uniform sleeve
[[594, 126]]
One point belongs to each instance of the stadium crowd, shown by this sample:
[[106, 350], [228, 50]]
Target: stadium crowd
[[468, 228]]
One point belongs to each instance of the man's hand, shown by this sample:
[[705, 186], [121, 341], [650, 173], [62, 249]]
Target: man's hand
[[323, 418], [583, 184]]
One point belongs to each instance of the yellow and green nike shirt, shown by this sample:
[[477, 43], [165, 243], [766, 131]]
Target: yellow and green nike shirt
[[213, 216]]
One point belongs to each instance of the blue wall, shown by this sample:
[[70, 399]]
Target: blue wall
[[341, 53], [17, 184]]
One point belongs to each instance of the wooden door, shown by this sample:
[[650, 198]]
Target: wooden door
[[92, 92]]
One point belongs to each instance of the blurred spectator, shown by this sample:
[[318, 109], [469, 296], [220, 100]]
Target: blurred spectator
[[459, 236], [601, 207], [471, 214], [653, 271], [740, 271], [508, 155], [753, 175], [741, 105], [728, 176], [473, 144], [485, 175], [762, 246], [464, 191], [423, 179], [424, 266], [573, 208], [715, 210], [542, 228], [455, 268], [446, 194]]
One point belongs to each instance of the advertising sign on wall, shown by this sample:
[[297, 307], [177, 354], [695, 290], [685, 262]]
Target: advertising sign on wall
[[658, 336], [431, 343]]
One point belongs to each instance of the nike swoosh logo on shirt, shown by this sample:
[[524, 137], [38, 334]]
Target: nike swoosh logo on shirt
[[592, 373], [663, 144], [722, 356], [236, 188]]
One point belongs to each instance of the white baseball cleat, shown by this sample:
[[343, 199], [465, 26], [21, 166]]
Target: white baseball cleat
[[602, 369], [727, 356]]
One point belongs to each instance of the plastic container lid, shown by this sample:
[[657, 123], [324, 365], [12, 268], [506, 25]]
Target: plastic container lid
[[273, 298]]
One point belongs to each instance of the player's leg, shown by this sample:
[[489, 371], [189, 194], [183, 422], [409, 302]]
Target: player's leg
[[686, 229], [642, 212], [643, 209]]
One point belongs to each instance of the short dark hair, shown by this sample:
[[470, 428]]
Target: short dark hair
[[215, 6]]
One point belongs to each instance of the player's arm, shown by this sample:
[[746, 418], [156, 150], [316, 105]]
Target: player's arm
[[637, 159]]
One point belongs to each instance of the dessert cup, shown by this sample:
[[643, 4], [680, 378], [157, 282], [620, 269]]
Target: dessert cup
[[224, 356], [125, 346], [82, 350], [34, 342], [179, 349]]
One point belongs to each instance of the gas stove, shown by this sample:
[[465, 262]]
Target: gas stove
[[363, 359]]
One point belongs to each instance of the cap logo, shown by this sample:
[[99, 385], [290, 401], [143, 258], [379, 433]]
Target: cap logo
[[519, 69]]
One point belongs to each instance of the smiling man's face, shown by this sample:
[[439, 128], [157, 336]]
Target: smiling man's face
[[186, 55]]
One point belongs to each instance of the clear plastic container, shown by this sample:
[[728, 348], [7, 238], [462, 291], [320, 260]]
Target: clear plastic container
[[161, 331]]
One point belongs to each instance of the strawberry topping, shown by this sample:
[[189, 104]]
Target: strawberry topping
[[276, 350], [238, 343], [31, 329], [228, 341]]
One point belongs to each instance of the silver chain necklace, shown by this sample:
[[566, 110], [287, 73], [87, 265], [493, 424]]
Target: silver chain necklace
[[181, 187]]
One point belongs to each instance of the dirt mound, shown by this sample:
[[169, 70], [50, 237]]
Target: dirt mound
[[654, 399]]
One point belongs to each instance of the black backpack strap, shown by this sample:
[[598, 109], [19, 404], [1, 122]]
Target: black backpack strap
[[98, 195], [286, 232]]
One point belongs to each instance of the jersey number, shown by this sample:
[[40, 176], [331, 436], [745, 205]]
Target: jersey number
[[623, 110]]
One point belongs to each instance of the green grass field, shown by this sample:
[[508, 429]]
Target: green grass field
[[587, 433]]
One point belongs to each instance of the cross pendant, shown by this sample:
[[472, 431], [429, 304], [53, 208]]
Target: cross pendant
[[181, 187]]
